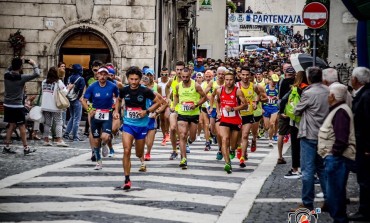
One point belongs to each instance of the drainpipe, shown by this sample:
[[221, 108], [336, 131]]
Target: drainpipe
[[160, 36]]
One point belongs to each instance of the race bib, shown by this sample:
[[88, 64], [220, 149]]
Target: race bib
[[186, 106], [228, 114], [133, 113], [270, 100], [102, 114]]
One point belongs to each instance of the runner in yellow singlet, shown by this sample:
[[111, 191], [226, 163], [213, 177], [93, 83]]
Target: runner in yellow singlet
[[189, 96], [205, 111], [170, 91], [249, 90]]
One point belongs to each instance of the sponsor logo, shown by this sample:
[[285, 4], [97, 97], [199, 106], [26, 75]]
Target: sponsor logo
[[303, 215]]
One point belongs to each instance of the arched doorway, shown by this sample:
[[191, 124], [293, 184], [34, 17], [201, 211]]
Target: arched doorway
[[84, 48]]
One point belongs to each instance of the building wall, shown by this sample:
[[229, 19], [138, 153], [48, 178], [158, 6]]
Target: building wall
[[211, 25], [345, 28], [128, 27]]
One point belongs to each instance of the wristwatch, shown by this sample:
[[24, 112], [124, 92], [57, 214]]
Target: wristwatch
[[147, 112], [232, 109]]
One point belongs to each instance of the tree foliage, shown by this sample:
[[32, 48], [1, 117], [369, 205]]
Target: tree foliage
[[231, 5]]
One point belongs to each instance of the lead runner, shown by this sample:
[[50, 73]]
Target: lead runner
[[135, 118]]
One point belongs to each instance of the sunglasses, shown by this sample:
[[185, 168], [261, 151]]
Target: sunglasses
[[95, 70], [164, 75]]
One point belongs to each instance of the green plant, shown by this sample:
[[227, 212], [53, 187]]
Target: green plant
[[231, 5], [17, 42]]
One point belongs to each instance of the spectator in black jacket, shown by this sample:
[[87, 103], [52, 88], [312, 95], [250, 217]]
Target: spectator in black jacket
[[361, 109]]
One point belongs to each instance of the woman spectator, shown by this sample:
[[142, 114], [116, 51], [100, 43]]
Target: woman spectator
[[300, 83], [48, 106]]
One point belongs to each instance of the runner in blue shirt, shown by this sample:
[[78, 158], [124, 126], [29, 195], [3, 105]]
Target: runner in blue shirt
[[101, 94], [135, 118]]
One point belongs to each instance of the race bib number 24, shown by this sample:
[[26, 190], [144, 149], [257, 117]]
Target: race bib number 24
[[102, 114]]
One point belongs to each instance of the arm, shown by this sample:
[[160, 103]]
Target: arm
[[36, 72], [218, 106], [117, 108], [168, 88], [341, 126], [303, 104], [163, 103], [261, 92], [203, 98], [212, 99], [175, 98], [243, 104], [283, 102], [209, 87]]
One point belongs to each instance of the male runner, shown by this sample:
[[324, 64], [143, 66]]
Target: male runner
[[165, 115], [271, 107], [135, 118], [170, 91], [101, 94], [189, 96], [205, 110], [228, 109]]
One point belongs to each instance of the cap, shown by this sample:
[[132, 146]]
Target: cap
[[77, 68], [199, 74], [275, 78], [199, 59], [190, 63], [111, 71], [103, 69], [149, 71], [290, 70]]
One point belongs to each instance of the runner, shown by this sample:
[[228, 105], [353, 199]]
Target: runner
[[170, 90], [230, 121], [189, 96], [206, 111], [101, 94], [148, 81], [271, 107], [165, 115], [215, 123], [199, 77], [135, 118], [249, 90]]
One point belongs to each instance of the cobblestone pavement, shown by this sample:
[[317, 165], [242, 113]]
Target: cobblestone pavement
[[72, 191], [278, 195]]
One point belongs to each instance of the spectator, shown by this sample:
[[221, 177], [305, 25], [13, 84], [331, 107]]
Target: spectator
[[52, 114], [329, 77], [28, 104], [14, 112], [298, 37], [75, 108], [239, 8], [249, 10], [313, 107], [336, 145], [361, 109]]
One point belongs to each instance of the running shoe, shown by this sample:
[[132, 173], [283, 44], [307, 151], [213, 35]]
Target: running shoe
[[293, 175], [253, 146], [105, 150], [239, 152], [98, 166], [168, 137], [8, 150], [208, 147], [61, 144], [164, 141], [286, 138], [47, 144], [232, 154], [147, 157], [187, 148], [111, 153], [93, 158], [242, 162], [183, 163], [173, 155], [27, 150], [127, 185], [228, 168], [219, 155], [142, 168], [270, 143], [275, 138], [214, 139], [281, 161]]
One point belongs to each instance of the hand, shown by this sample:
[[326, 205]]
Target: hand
[[209, 110], [228, 108], [92, 113], [283, 115], [115, 115], [193, 106], [32, 62], [172, 110], [70, 86], [218, 115], [142, 113]]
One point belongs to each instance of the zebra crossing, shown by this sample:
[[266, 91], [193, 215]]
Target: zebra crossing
[[165, 193]]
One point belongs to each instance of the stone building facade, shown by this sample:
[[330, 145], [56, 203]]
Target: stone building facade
[[125, 27]]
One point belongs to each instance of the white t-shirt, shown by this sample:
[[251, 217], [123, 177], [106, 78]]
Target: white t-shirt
[[163, 86], [48, 91]]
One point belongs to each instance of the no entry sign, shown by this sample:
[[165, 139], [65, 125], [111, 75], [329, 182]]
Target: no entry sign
[[315, 15]]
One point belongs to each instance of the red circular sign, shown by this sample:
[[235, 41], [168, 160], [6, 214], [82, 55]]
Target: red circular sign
[[315, 15]]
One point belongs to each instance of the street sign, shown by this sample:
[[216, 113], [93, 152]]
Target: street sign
[[315, 15]]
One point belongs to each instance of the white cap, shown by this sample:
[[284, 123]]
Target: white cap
[[103, 69]]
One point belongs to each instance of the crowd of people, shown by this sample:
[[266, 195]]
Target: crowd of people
[[234, 103]]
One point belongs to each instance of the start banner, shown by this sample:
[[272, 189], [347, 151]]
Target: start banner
[[246, 19]]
